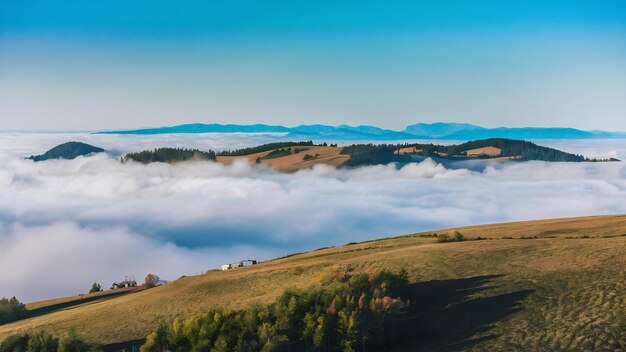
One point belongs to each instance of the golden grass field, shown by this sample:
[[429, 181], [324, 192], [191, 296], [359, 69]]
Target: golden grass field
[[291, 163], [329, 156], [407, 150], [491, 151], [564, 290]]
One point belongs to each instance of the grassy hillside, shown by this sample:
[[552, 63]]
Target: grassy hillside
[[282, 156], [292, 161], [563, 290], [169, 155]]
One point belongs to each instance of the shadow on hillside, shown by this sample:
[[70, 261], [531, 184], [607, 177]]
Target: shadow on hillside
[[123, 346], [65, 305], [444, 317]]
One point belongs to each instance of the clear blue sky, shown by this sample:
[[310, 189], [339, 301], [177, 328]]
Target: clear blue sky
[[120, 64]]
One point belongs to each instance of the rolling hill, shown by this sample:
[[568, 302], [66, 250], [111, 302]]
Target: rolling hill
[[555, 285], [493, 148], [294, 156], [69, 150], [292, 161]]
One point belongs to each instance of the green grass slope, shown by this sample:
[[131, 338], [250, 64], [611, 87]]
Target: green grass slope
[[550, 285]]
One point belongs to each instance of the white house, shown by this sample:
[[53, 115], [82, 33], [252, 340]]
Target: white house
[[239, 264]]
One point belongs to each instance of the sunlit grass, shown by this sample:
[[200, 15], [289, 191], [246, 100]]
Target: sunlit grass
[[559, 291]]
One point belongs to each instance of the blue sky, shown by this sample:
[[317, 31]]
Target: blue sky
[[121, 64]]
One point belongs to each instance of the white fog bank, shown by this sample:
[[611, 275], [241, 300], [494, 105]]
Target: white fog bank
[[67, 223]]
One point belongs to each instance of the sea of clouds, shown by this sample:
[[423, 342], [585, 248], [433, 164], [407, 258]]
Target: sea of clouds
[[67, 223]]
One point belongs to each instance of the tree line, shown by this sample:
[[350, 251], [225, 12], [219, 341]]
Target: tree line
[[168, 155], [348, 312], [43, 342], [372, 154], [524, 150], [264, 148]]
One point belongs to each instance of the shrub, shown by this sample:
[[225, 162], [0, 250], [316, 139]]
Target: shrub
[[425, 235], [72, 343], [456, 237], [95, 288], [14, 343], [277, 153], [443, 238]]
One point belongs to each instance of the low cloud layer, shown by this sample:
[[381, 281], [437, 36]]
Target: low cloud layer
[[65, 224], [63, 259]]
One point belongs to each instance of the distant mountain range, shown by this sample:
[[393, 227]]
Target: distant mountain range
[[439, 130]]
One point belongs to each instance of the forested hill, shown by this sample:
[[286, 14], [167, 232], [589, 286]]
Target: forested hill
[[264, 148], [69, 150], [368, 154], [169, 155], [351, 156], [364, 154], [522, 150]]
